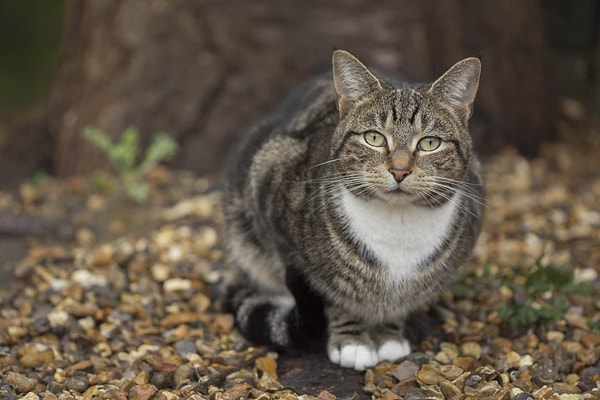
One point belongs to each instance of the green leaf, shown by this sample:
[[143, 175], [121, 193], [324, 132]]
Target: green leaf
[[98, 138], [162, 148], [127, 149], [138, 191]]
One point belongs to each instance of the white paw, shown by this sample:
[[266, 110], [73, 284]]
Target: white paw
[[392, 350], [355, 356]]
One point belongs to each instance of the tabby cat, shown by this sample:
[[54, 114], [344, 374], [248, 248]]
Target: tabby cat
[[350, 207]]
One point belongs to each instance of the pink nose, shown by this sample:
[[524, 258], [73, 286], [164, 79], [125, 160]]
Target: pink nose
[[399, 173]]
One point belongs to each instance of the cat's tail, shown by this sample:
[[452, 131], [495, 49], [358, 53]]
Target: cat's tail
[[278, 320]]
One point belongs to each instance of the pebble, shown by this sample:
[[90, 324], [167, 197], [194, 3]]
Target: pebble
[[526, 361], [472, 349], [451, 372], [406, 370], [466, 363], [35, 359], [142, 392], [183, 374], [177, 284], [513, 359], [58, 318], [21, 382], [185, 346], [160, 272], [77, 383], [451, 391], [429, 375], [88, 279]]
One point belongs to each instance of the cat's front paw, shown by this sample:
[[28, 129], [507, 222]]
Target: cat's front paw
[[354, 355], [393, 350]]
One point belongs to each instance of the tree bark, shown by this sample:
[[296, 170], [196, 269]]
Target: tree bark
[[205, 70]]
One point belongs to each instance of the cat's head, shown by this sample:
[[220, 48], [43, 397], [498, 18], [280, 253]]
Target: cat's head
[[403, 145]]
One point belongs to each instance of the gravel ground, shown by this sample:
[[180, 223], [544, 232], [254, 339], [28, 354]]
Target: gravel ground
[[114, 300]]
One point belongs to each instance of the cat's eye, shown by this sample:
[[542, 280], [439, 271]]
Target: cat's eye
[[429, 143], [375, 139]]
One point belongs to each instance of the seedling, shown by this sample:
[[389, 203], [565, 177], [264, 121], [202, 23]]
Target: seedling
[[124, 156]]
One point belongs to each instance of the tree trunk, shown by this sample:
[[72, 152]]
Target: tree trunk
[[204, 71]]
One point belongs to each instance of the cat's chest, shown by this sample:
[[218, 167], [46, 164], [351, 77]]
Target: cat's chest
[[401, 238]]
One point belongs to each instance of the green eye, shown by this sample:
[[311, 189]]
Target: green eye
[[429, 143], [375, 139]]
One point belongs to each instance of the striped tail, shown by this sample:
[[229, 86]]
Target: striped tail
[[281, 321]]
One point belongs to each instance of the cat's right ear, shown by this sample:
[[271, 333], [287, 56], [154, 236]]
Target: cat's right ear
[[352, 80]]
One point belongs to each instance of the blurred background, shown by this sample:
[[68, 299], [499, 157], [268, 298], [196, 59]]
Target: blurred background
[[204, 71]]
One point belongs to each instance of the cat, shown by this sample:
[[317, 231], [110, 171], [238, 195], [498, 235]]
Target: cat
[[350, 207]]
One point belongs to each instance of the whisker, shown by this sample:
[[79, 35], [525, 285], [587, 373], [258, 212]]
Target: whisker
[[325, 163]]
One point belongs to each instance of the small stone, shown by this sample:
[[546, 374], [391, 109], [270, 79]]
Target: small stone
[[571, 346], [175, 253], [562, 388], [20, 382], [224, 323], [32, 396], [466, 363], [325, 395], [166, 395], [185, 346], [77, 383], [451, 372], [590, 340], [160, 272], [472, 349], [36, 358], [577, 321], [442, 358], [513, 359], [183, 374], [451, 391], [177, 284], [386, 394], [268, 366], [572, 379], [429, 375], [542, 392], [526, 361], [555, 337], [406, 370], [142, 392], [88, 279], [524, 396], [58, 318], [450, 349], [571, 396], [176, 319]]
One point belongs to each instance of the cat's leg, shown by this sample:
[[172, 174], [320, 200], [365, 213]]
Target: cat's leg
[[349, 343], [390, 342]]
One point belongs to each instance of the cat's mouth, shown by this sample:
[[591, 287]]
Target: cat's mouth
[[398, 194]]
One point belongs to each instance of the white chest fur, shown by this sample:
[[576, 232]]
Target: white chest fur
[[401, 237]]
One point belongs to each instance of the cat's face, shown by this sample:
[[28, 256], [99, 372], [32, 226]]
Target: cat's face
[[403, 145]]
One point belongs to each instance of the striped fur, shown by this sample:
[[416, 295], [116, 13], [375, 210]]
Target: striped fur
[[335, 236]]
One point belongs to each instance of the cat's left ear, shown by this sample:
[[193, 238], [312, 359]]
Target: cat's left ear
[[352, 80], [458, 87]]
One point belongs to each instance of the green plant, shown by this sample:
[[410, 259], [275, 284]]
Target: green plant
[[124, 155], [543, 297]]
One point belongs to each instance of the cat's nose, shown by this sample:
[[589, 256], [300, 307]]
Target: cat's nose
[[399, 173]]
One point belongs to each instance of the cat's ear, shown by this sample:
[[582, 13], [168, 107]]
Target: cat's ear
[[352, 80], [458, 86]]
